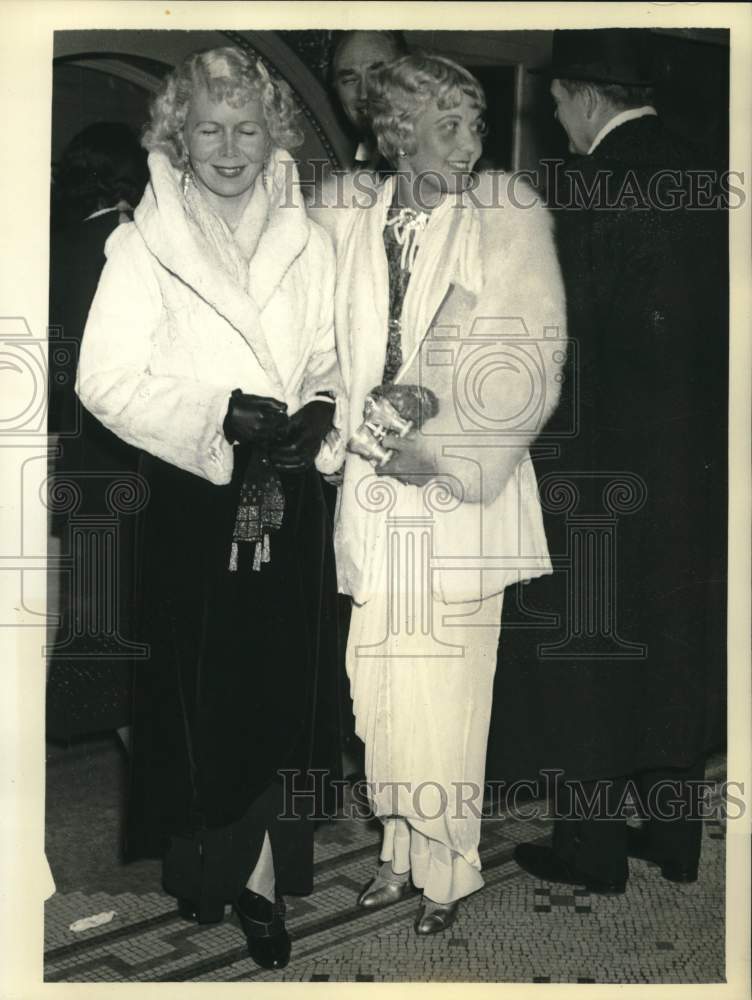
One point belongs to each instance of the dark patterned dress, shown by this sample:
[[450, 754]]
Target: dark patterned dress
[[399, 278]]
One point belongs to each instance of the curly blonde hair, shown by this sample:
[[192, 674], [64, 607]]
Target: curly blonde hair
[[228, 74], [399, 92]]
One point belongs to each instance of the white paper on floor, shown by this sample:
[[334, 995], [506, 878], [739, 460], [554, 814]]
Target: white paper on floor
[[94, 921]]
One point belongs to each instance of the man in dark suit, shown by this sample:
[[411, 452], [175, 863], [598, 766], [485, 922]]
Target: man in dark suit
[[628, 690]]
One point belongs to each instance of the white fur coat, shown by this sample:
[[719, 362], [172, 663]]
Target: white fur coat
[[483, 325], [170, 334]]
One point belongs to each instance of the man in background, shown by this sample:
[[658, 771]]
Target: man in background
[[628, 693], [356, 55]]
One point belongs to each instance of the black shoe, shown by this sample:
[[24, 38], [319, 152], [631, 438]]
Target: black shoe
[[546, 866], [638, 847], [212, 913], [263, 923]]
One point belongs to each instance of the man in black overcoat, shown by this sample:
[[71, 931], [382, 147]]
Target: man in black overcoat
[[619, 673]]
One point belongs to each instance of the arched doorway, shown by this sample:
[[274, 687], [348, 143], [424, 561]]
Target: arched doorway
[[111, 75]]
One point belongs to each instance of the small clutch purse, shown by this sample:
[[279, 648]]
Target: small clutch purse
[[391, 409]]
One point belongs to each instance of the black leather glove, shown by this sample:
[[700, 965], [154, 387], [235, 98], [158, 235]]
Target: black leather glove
[[306, 429], [254, 419]]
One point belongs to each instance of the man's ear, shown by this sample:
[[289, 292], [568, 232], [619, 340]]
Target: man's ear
[[589, 101]]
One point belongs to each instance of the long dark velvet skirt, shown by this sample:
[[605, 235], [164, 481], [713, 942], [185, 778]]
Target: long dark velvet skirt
[[240, 685]]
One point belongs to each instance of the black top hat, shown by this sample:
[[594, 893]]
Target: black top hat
[[602, 55]]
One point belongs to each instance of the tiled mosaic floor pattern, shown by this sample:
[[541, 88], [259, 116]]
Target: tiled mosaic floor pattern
[[515, 930]]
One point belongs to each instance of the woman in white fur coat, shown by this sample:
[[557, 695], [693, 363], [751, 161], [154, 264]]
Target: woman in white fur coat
[[454, 287], [210, 346]]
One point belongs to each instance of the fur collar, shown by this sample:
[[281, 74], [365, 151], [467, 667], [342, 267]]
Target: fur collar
[[163, 224]]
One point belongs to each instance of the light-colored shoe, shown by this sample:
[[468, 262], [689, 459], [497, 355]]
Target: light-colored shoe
[[379, 892], [437, 920]]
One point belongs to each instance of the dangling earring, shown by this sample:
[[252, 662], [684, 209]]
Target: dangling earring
[[401, 153], [186, 180], [265, 170]]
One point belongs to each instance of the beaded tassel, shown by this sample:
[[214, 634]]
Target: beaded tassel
[[261, 552]]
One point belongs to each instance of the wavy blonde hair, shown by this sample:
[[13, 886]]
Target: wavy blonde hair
[[399, 92], [228, 74]]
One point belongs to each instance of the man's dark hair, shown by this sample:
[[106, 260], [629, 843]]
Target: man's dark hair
[[620, 95], [102, 165], [340, 37]]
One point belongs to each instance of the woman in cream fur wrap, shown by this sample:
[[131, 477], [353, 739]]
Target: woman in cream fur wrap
[[447, 280]]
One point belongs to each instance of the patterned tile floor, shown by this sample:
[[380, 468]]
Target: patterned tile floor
[[515, 930]]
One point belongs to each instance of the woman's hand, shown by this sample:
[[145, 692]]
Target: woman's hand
[[413, 459], [306, 429], [254, 419]]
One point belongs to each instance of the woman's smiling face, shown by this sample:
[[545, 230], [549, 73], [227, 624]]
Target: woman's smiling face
[[448, 144], [226, 145]]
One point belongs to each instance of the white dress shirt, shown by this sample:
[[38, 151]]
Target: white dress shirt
[[624, 116], [362, 153]]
